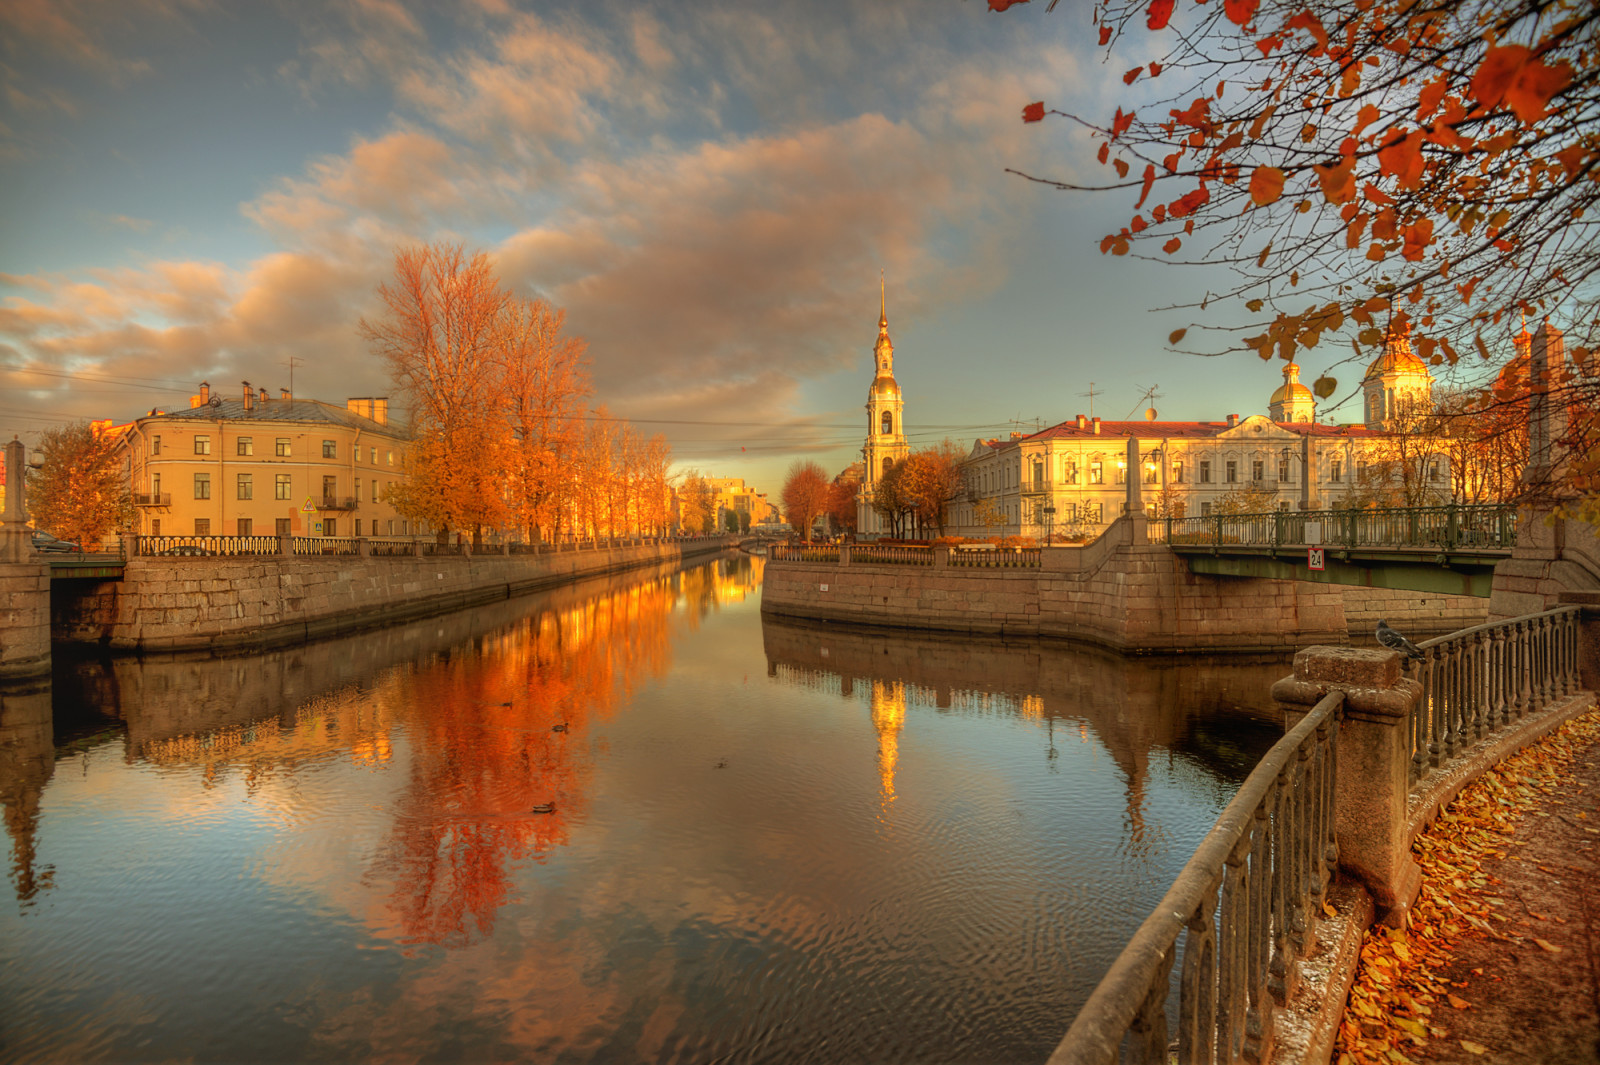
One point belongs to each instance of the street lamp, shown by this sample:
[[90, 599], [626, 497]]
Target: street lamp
[[1049, 511]]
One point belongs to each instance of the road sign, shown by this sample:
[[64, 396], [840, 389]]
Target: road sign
[[308, 507], [1315, 558]]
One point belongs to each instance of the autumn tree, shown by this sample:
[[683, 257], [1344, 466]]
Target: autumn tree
[[931, 482], [890, 499], [1359, 164], [543, 381], [81, 491], [696, 504], [805, 496], [842, 494]]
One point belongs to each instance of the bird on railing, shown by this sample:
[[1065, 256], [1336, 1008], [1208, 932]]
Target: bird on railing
[[1396, 642]]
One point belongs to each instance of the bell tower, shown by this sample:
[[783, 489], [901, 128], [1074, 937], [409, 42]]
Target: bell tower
[[886, 434]]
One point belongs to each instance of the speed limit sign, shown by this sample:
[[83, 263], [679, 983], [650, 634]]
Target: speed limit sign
[[1314, 558]]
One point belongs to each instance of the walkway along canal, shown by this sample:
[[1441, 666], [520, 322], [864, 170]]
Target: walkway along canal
[[628, 819]]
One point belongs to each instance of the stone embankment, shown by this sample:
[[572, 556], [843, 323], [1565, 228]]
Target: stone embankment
[[241, 603], [1114, 592]]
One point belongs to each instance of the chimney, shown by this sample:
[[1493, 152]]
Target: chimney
[[380, 410], [1233, 420], [263, 397], [1097, 427], [205, 392], [286, 397], [1082, 422], [249, 397]]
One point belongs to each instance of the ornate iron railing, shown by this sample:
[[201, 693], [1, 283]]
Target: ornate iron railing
[[152, 499], [1481, 679], [327, 545], [206, 545], [391, 548], [1470, 527], [1245, 908], [885, 555], [996, 557], [806, 552]]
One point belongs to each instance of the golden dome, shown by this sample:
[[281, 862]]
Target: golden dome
[[885, 386], [1292, 391], [1397, 357]]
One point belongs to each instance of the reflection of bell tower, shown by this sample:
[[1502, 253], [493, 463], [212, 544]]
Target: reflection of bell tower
[[888, 718], [886, 431]]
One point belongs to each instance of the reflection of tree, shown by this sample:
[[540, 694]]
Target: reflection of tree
[[492, 781], [27, 759]]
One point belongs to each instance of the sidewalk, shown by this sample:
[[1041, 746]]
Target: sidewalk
[[1502, 963]]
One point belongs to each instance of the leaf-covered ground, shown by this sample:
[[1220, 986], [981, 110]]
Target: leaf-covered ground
[[1500, 963]]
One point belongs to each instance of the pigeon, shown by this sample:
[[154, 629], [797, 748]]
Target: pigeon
[[1396, 642]]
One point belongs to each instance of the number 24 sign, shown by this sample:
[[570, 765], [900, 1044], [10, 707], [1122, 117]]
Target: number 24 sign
[[1315, 558]]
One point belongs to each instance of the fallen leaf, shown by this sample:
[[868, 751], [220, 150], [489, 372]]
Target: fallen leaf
[[1473, 1048], [1457, 1001], [1551, 947]]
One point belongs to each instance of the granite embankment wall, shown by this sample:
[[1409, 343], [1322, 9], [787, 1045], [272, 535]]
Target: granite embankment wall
[[24, 619], [1133, 598], [242, 603]]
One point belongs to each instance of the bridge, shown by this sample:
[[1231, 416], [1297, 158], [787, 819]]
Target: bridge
[[1451, 549]]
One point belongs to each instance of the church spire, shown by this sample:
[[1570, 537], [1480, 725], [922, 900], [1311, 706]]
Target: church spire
[[883, 307]]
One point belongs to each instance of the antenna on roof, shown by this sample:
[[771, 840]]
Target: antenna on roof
[[1091, 394], [1146, 398], [293, 361]]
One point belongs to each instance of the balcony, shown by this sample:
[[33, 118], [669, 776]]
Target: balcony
[[152, 499], [335, 503], [1035, 487]]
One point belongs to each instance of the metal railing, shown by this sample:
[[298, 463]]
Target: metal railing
[[391, 548], [1245, 907], [213, 546], [806, 552], [152, 499], [882, 555], [337, 503], [1481, 679], [1485, 526], [996, 557], [327, 545]]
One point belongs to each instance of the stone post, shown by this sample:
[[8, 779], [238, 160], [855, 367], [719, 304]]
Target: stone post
[[286, 545], [363, 547], [941, 557], [1139, 524], [1374, 757], [416, 549], [14, 544], [844, 554]]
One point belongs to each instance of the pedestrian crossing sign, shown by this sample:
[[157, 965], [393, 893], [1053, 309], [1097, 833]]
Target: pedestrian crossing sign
[[308, 507], [1314, 558]]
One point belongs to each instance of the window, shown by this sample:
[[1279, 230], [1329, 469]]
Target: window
[[246, 487], [391, 526], [391, 457], [1233, 472], [1097, 472], [403, 527], [155, 526], [1283, 469], [155, 445], [358, 489], [1092, 513], [245, 445], [202, 526], [1257, 470], [1205, 471], [1361, 471], [330, 449], [285, 526], [887, 462], [280, 486], [202, 445], [202, 486], [1150, 470], [1072, 472], [1433, 470], [1177, 472], [245, 526], [155, 488], [283, 447], [1335, 470], [330, 526], [374, 456], [374, 489], [1205, 510], [888, 423], [1122, 473], [330, 489], [358, 526]]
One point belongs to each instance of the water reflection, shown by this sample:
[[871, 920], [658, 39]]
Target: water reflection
[[27, 758]]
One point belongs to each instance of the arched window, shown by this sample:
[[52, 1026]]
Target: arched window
[[888, 422], [869, 421], [887, 462]]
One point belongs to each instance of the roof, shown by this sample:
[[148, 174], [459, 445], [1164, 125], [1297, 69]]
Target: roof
[[884, 386], [1396, 358], [1296, 390], [278, 410], [1181, 430]]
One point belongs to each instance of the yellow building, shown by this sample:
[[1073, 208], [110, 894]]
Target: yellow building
[[252, 465]]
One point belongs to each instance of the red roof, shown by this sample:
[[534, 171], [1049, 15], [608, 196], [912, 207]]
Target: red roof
[[1190, 430]]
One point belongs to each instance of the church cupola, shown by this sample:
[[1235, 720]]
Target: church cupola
[[1396, 379], [1293, 401]]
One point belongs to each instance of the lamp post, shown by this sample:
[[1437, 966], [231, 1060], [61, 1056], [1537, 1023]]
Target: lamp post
[[1049, 511]]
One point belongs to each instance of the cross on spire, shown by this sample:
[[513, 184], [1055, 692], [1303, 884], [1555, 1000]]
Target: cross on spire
[[883, 304]]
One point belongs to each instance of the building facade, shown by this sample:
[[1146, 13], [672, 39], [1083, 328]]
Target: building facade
[[259, 466]]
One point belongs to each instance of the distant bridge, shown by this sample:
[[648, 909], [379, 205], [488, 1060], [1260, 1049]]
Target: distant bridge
[[1450, 549]]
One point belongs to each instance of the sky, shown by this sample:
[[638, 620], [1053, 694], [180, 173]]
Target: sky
[[208, 190]]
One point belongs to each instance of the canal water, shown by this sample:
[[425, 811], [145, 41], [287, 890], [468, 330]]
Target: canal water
[[629, 820]]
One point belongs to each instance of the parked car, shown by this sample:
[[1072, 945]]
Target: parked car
[[43, 541]]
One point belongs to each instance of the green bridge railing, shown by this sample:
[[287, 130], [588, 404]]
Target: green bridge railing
[[1489, 527]]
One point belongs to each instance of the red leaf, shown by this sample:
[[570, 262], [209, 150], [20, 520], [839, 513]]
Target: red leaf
[[1197, 114], [1105, 36], [1172, 245], [1309, 22], [1001, 5], [1429, 98], [1418, 236], [1034, 112], [1105, 152], [1402, 157], [1120, 124], [1189, 203], [1269, 43], [1138, 225], [1155, 70], [1376, 195], [1122, 167], [1266, 185], [1364, 118], [1131, 76], [1149, 180], [1171, 162], [1240, 12], [1338, 181], [1160, 13]]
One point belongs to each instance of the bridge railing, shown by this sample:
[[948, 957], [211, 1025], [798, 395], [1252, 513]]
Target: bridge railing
[[891, 555], [1476, 526], [326, 545], [1245, 909], [805, 552], [996, 557], [213, 546], [1481, 679]]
